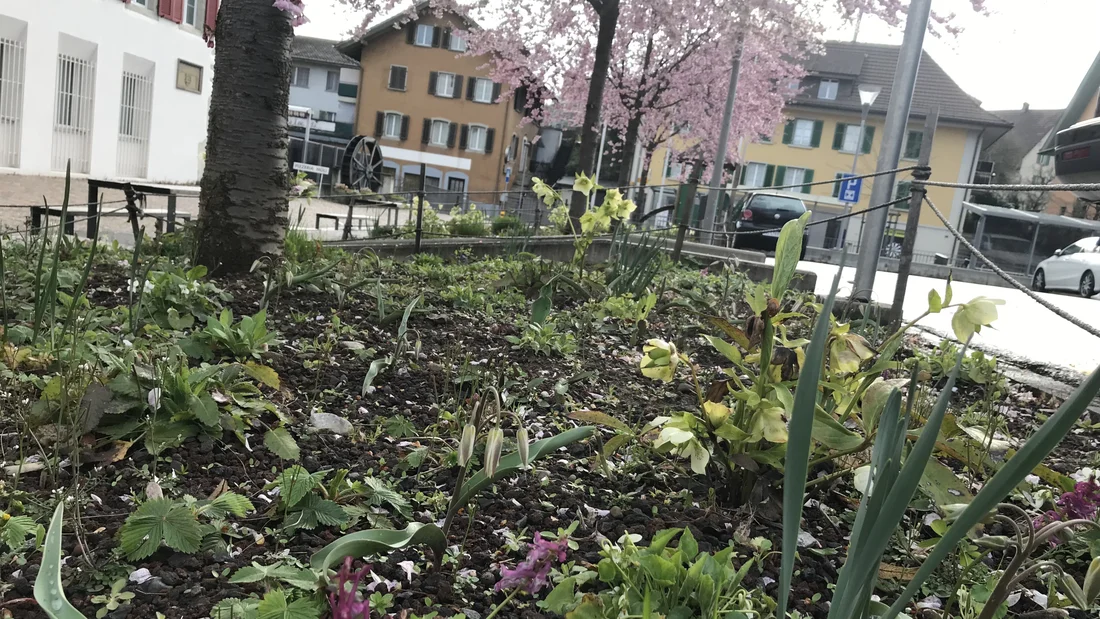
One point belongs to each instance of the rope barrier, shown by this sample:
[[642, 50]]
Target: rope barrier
[[1054, 187], [42, 206], [1008, 278], [73, 221], [835, 180]]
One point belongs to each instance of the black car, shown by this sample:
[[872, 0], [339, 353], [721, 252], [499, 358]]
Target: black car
[[765, 212]]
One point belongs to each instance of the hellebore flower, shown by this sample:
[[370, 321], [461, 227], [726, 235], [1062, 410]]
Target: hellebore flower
[[532, 574], [584, 184], [971, 317], [345, 602], [659, 360]]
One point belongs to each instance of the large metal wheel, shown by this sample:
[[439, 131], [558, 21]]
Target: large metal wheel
[[361, 167]]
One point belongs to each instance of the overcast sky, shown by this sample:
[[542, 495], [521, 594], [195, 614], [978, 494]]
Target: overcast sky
[[1019, 53]]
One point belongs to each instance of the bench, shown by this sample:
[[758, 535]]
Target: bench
[[162, 215], [359, 220]]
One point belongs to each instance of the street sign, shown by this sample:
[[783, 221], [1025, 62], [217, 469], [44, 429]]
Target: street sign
[[508, 174], [308, 167], [850, 188]]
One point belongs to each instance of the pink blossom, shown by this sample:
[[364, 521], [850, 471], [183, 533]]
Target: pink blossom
[[296, 9], [532, 574], [345, 602]]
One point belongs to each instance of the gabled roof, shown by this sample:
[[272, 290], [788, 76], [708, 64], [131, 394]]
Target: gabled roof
[[354, 47], [320, 51], [1085, 92], [872, 63], [1029, 127]]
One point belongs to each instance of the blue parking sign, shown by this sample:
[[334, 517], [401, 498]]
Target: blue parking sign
[[850, 188]]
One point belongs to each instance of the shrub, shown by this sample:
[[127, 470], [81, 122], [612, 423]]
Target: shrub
[[509, 225], [470, 223]]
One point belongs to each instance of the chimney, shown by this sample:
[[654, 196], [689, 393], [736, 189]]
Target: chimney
[[1026, 106]]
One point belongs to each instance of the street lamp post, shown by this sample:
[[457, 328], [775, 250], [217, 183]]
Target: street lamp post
[[867, 96]]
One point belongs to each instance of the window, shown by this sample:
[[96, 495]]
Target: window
[[913, 140], [794, 176], [391, 126], [803, 132], [839, 176], [332, 81], [326, 116], [476, 141], [11, 99], [902, 191], [133, 127], [846, 138], [483, 90], [458, 44], [765, 138], [445, 84], [827, 89], [300, 77], [398, 75], [141, 2], [850, 139], [73, 109], [1044, 160], [753, 174], [424, 35], [513, 146], [456, 185], [190, 12], [441, 129]]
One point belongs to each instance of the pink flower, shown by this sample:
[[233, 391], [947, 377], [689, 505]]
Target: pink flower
[[345, 601], [532, 574], [296, 9]]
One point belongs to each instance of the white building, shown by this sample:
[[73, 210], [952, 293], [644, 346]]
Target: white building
[[119, 88], [326, 82]]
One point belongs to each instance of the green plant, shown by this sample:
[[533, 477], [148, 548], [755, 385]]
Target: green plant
[[615, 208], [243, 340], [470, 223], [401, 348], [175, 523], [14, 530], [47, 586], [633, 262], [543, 339], [302, 503], [509, 225], [660, 581], [174, 298], [559, 216], [112, 600]]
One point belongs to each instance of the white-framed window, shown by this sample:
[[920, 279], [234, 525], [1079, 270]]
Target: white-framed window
[[391, 125], [827, 89], [73, 105], [476, 139], [794, 176], [753, 176], [445, 85], [913, 140], [483, 90], [135, 118], [332, 81], [458, 44], [12, 67], [424, 35], [300, 77], [191, 12], [142, 2], [803, 133], [398, 76], [326, 116], [851, 139], [441, 130]]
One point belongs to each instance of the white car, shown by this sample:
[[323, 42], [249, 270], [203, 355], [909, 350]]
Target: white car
[[1074, 268]]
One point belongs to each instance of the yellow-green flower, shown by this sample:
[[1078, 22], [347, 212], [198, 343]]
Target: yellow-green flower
[[849, 350], [584, 184], [971, 317], [659, 360], [716, 413], [544, 191]]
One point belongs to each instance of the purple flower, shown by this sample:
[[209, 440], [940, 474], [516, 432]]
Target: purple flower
[[1081, 504], [345, 602], [532, 574]]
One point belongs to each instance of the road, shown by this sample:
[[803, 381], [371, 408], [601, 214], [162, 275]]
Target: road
[[1023, 328]]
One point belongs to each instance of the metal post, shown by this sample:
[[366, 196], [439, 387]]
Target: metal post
[[420, 210], [843, 235], [1031, 252], [905, 261], [897, 116], [171, 225], [713, 200], [93, 209], [599, 164], [687, 205]]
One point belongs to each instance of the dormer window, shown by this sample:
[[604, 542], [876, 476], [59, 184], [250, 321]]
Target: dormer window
[[827, 89]]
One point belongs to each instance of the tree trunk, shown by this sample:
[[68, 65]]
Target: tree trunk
[[643, 197], [608, 11], [243, 201], [634, 125]]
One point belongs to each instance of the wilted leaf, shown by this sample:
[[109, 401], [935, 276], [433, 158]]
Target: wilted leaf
[[599, 418], [888, 571], [263, 374]]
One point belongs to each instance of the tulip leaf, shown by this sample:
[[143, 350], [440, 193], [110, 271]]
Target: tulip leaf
[[374, 541]]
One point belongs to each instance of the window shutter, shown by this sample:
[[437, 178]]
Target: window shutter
[[164, 8], [177, 11], [445, 41], [868, 139], [815, 141], [496, 92], [410, 33], [464, 137], [210, 21], [839, 176], [432, 77], [403, 76], [788, 132], [393, 77], [456, 92], [807, 177], [838, 137], [780, 175], [913, 143], [490, 133], [452, 132], [404, 127], [769, 175], [470, 85], [379, 121], [427, 131], [437, 35]]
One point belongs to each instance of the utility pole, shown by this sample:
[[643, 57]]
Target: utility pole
[[713, 193], [897, 117], [905, 261]]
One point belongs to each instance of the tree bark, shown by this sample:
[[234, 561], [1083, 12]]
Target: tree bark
[[608, 11], [244, 187], [634, 125]]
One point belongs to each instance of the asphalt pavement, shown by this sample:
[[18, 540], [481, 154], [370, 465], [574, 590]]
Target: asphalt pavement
[[1024, 329]]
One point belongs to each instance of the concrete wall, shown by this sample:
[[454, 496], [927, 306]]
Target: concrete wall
[[485, 171], [112, 28], [890, 265]]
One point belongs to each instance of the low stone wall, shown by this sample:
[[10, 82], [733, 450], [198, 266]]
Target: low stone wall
[[938, 271]]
